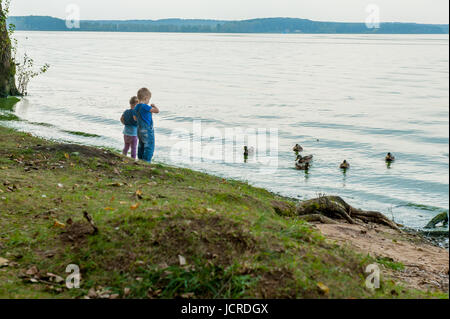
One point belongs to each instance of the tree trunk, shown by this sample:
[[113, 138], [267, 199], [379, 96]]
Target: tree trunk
[[7, 66]]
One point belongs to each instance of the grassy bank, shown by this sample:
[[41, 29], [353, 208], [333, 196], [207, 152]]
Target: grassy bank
[[163, 232]]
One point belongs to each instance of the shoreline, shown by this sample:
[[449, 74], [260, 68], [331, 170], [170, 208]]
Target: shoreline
[[438, 236], [181, 198]]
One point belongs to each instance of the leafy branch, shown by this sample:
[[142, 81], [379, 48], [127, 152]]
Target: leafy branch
[[26, 72]]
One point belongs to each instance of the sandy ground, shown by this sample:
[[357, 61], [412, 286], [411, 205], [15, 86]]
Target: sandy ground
[[426, 266]]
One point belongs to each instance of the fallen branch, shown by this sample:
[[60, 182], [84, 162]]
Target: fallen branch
[[91, 222]]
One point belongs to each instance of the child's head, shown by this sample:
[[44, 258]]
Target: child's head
[[133, 101], [144, 95]]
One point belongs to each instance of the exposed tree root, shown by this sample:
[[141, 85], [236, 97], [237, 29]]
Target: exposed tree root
[[441, 218], [318, 218], [334, 207]]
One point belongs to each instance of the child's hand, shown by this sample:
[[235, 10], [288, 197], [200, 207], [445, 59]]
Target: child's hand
[[154, 109]]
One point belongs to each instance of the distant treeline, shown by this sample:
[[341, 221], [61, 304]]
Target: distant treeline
[[267, 25]]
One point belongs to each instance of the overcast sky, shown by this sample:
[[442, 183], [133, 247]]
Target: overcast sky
[[422, 11]]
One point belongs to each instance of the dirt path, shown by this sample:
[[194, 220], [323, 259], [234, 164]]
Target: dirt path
[[426, 266]]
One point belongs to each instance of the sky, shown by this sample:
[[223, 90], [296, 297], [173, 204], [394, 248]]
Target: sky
[[420, 11]]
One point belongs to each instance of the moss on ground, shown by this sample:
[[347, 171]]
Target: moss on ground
[[238, 241]]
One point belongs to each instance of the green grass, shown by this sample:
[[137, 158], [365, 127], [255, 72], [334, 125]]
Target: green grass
[[8, 103], [389, 263], [81, 134], [235, 243]]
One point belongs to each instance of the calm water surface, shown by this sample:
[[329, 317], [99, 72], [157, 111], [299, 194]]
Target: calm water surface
[[352, 97]]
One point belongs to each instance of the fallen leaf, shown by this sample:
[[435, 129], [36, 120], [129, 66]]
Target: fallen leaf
[[55, 278], [135, 206], [122, 203], [109, 208], [60, 185], [92, 293], [188, 295], [163, 265], [182, 260], [117, 184], [323, 289], [126, 291], [58, 224], [3, 262], [66, 155], [32, 271]]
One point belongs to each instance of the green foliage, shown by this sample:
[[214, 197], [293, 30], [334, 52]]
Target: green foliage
[[389, 263], [4, 13], [26, 72]]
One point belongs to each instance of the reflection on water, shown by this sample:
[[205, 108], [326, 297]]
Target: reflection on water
[[355, 97]]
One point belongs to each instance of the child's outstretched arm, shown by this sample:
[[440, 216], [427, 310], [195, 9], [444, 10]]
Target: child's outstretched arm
[[154, 109]]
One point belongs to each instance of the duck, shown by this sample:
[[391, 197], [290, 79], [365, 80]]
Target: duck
[[390, 157], [248, 150], [344, 165], [297, 149], [304, 159], [245, 151], [302, 166]]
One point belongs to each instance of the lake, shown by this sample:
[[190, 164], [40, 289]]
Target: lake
[[353, 97]]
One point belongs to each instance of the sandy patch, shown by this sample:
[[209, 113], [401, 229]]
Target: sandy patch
[[426, 266]]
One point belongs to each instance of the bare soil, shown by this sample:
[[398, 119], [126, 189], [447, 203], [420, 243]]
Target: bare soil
[[426, 265]]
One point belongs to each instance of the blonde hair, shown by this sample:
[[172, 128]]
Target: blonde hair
[[134, 100], [143, 94]]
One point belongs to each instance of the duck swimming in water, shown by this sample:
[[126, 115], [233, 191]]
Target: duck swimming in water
[[344, 165], [304, 159], [302, 166], [248, 151], [390, 157], [297, 149]]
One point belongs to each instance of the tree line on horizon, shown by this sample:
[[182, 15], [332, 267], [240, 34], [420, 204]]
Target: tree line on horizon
[[265, 25]]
